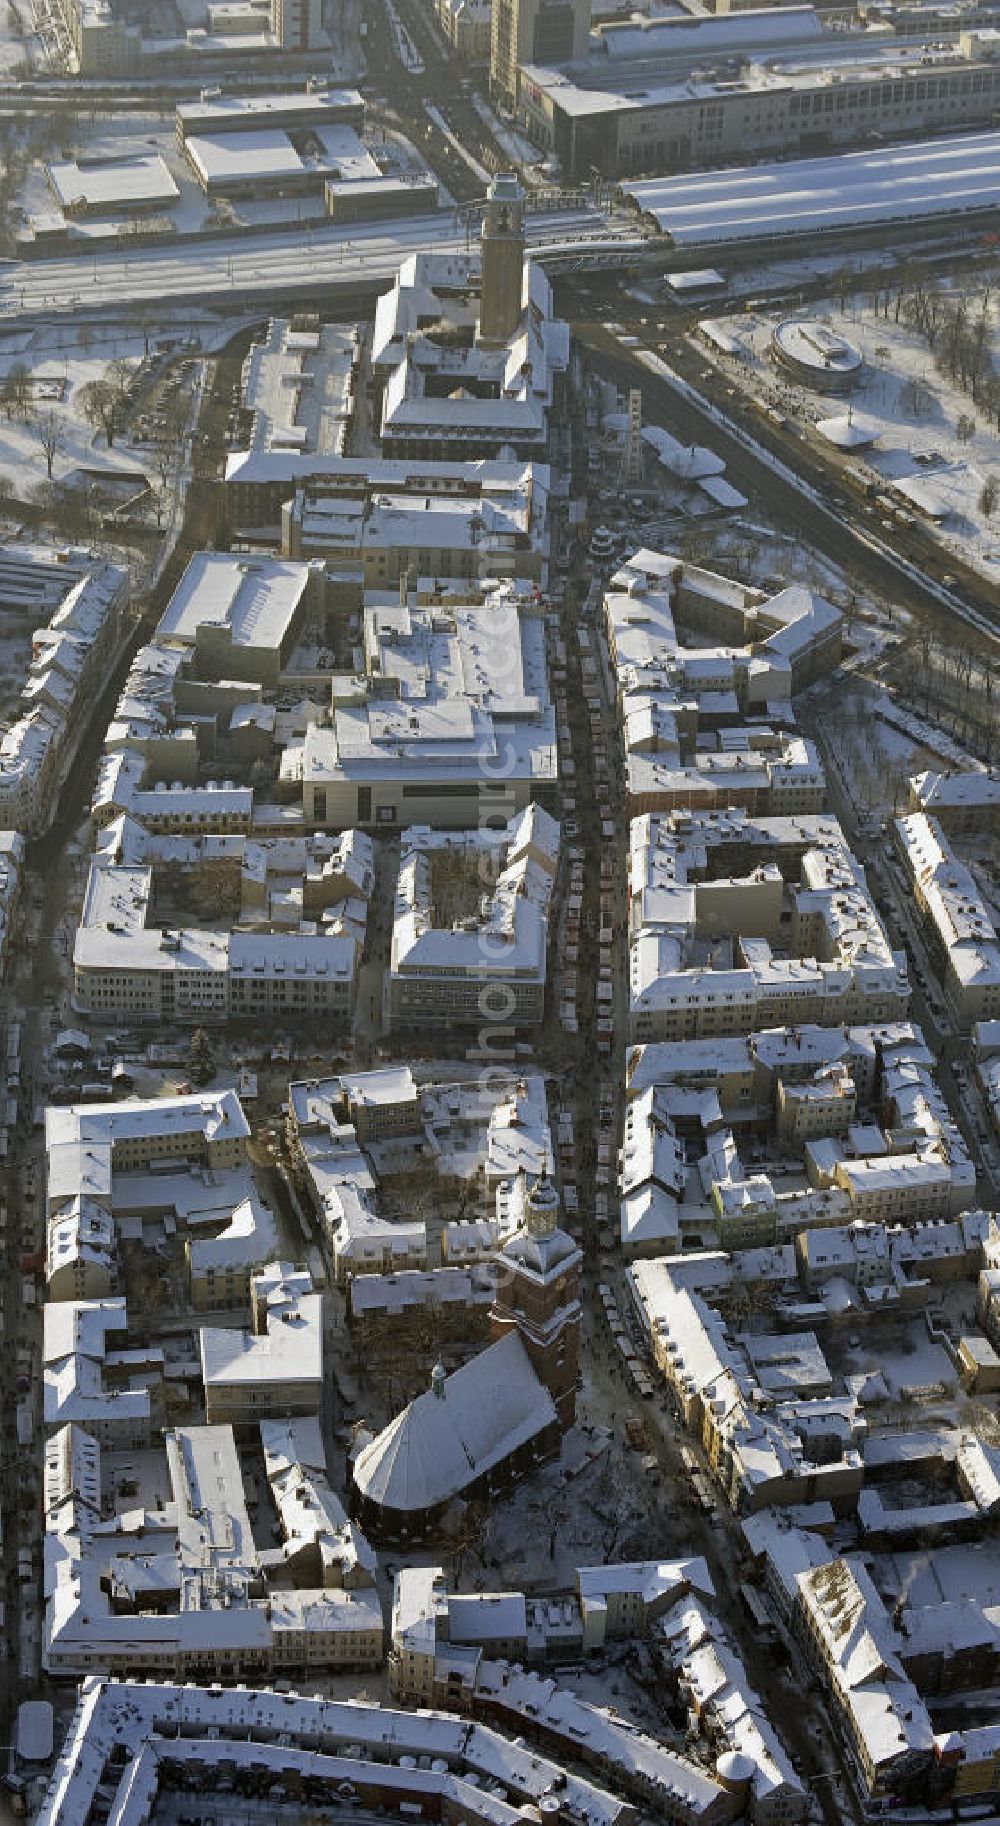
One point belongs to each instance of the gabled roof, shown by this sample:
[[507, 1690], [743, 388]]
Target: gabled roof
[[441, 1443]]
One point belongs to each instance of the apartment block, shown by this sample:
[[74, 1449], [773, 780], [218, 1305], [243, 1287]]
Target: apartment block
[[470, 924]]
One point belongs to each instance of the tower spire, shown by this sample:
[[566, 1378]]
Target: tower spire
[[538, 1294]]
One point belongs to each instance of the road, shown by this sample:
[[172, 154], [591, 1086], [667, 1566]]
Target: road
[[236, 269], [598, 300], [446, 84]]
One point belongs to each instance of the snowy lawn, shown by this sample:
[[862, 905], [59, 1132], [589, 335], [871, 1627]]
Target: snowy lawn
[[877, 757], [909, 1366], [58, 369]]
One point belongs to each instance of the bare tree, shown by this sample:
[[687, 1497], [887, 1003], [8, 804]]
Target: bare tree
[[914, 397], [146, 318], [104, 402], [926, 654], [176, 411], [118, 375], [15, 390], [50, 435], [101, 407], [71, 508]]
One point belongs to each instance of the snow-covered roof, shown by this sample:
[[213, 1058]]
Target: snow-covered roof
[[289, 1348], [849, 430], [209, 1114], [444, 1441], [950, 895], [811, 344], [913, 181], [254, 597], [656, 1582], [290, 1733], [140, 179], [629, 1755], [303, 107], [266, 153]]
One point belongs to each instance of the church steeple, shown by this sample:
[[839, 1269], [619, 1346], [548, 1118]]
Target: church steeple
[[541, 1209], [538, 1294]]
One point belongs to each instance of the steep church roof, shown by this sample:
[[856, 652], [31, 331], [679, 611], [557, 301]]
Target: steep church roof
[[456, 1431]]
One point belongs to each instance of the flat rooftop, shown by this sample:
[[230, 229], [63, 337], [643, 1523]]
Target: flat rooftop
[[738, 54], [256, 598], [112, 183], [897, 183], [299, 386], [271, 152], [234, 111]]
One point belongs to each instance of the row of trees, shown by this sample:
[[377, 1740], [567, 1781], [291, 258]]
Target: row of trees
[[959, 686]]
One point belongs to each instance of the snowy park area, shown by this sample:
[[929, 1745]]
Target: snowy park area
[[60, 475], [877, 757], [52, 368], [906, 422]]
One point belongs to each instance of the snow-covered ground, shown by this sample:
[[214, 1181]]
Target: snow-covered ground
[[915, 730], [913, 1363], [58, 369], [153, 132], [912, 409], [880, 745]]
